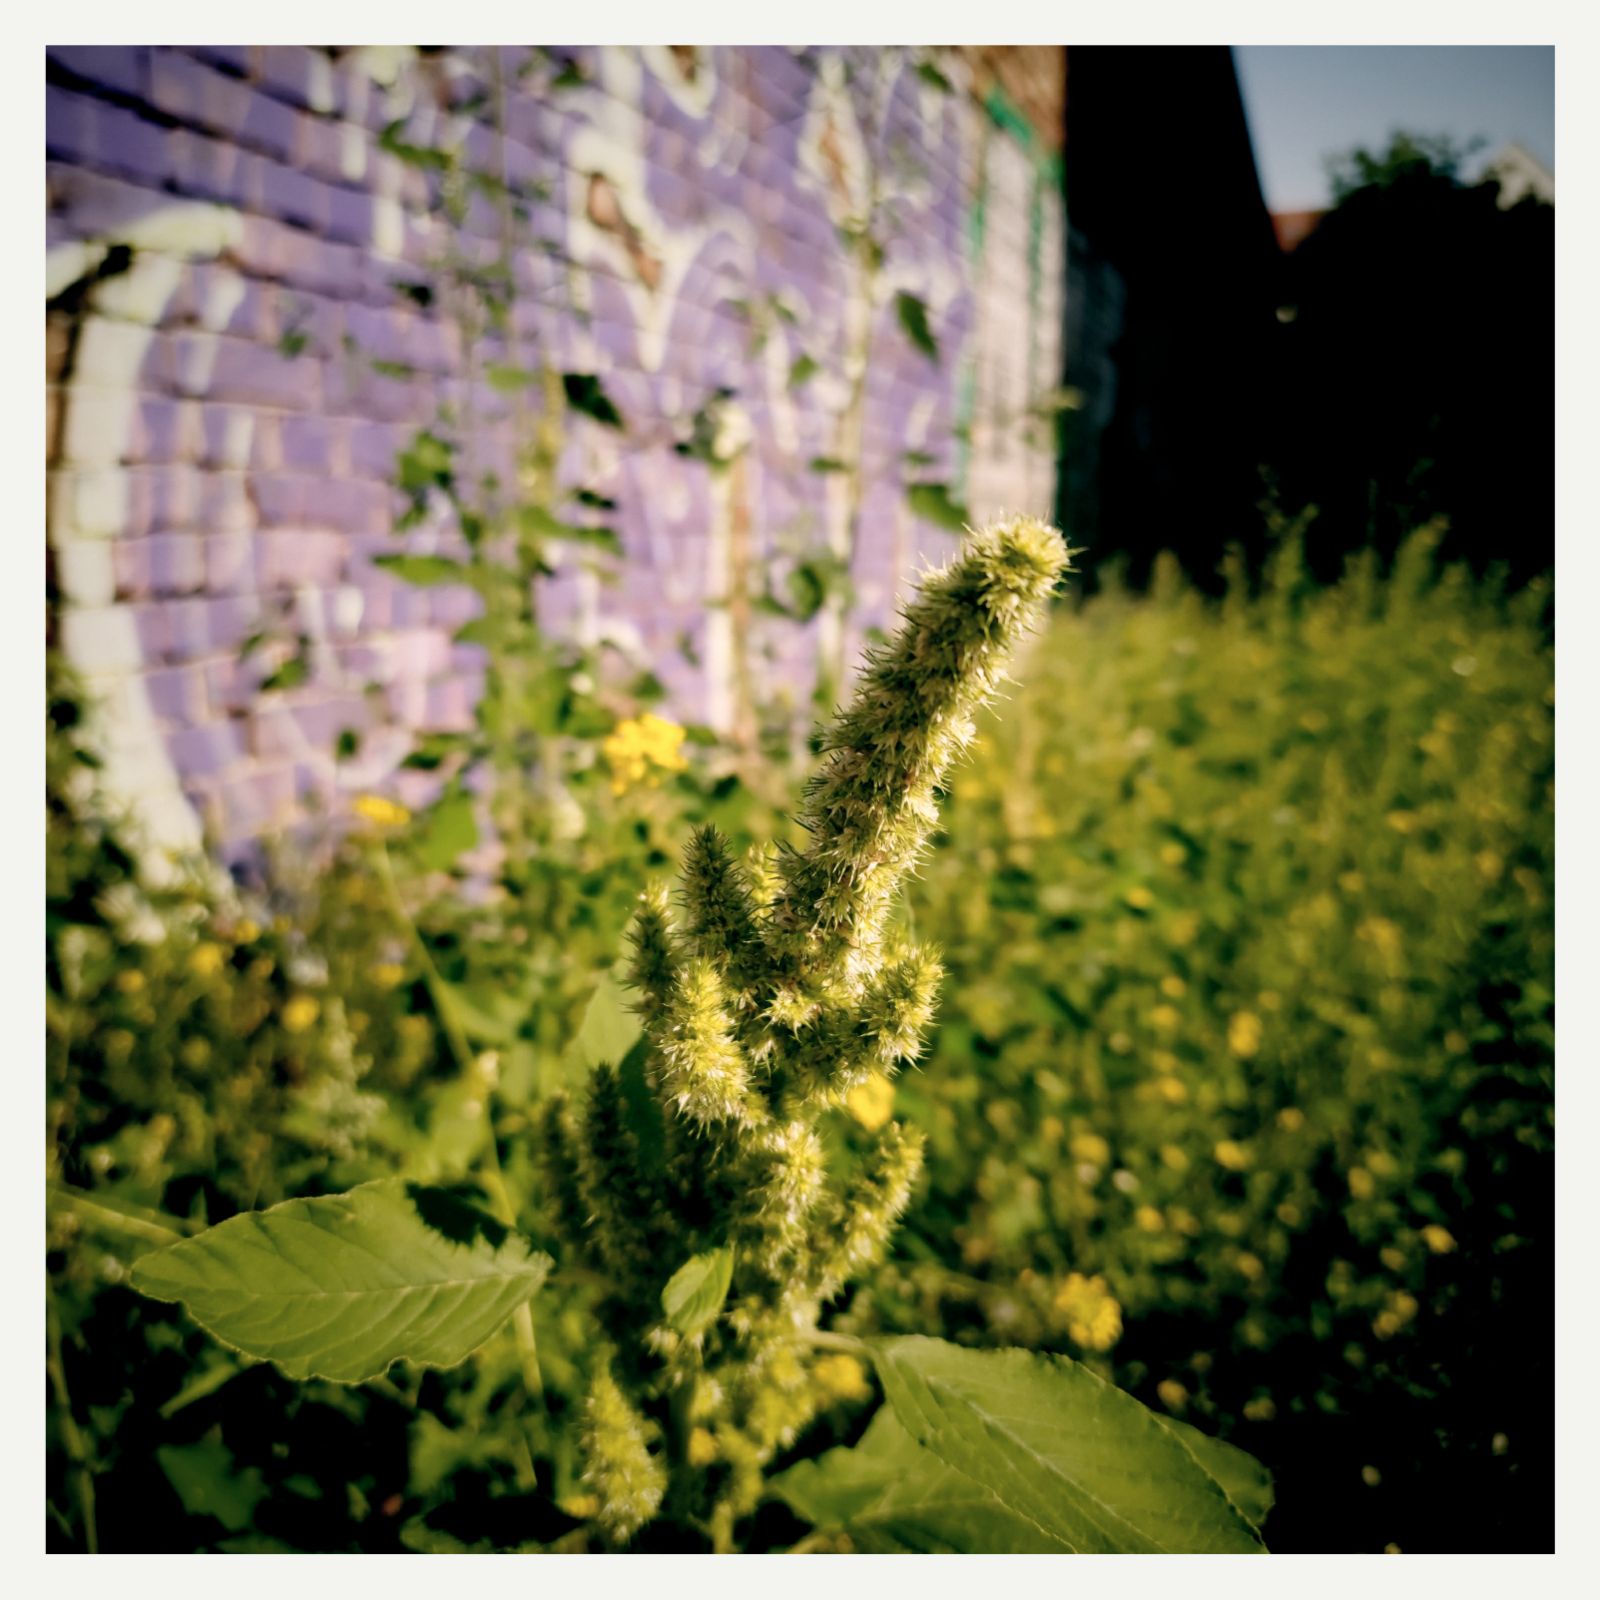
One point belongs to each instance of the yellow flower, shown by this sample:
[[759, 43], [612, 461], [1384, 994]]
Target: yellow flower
[[581, 1506], [1183, 928], [1250, 1266], [1362, 1186], [1439, 1240], [639, 749], [1291, 1119], [1149, 1220], [1174, 1158], [1173, 1394], [1393, 1259], [247, 932], [871, 1103], [1399, 1310], [1402, 821], [1173, 1090], [1382, 934], [1166, 1018], [1288, 1213], [702, 1449], [1172, 986], [1173, 854], [388, 974], [205, 960], [1090, 1311], [1244, 1034], [1232, 1155], [194, 1053], [1139, 897], [380, 812], [130, 980], [842, 1377], [1090, 1147], [1261, 1409], [1051, 1129], [299, 1013]]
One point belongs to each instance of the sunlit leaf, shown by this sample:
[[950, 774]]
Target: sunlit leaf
[[1060, 1447], [343, 1285], [695, 1292]]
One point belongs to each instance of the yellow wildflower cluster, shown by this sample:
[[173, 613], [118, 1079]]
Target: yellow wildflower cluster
[[1090, 1311], [871, 1102], [1244, 1034], [842, 1377], [379, 811], [639, 749]]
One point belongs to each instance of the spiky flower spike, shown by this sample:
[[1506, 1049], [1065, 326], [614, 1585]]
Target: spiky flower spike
[[766, 993]]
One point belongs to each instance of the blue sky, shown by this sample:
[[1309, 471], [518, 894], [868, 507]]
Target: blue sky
[[1306, 102]]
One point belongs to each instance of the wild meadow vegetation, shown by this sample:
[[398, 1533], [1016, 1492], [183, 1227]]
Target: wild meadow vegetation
[[1239, 1096]]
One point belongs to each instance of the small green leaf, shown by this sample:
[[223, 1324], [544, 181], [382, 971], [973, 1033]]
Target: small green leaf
[[448, 828], [203, 1475], [826, 464], [507, 379], [931, 75], [538, 523], [914, 320], [340, 1286], [802, 370], [932, 502], [1060, 1447], [585, 394], [587, 497], [695, 1292], [425, 571]]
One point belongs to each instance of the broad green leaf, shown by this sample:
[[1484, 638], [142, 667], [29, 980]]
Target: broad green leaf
[[644, 1109], [932, 502], [1244, 1480], [695, 1292], [607, 1032], [448, 829], [341, 1286], [914, 320], [424, 571], [487, 1012], [893, 1497], [1060, 1448]]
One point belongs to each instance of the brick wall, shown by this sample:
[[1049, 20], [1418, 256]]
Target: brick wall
[[233, 367]]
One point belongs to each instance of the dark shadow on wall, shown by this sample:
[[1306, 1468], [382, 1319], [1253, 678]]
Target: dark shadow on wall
[[1171, 288]]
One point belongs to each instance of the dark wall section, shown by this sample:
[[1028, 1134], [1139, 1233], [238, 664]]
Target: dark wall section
[[1171, 294]]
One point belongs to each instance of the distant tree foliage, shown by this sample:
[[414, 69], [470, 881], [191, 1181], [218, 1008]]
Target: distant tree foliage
[[1416, 363]]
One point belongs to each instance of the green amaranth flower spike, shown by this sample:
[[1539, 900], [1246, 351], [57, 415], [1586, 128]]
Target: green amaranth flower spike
[[766, 994]]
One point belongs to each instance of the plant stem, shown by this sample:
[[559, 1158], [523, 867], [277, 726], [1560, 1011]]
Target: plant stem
[[493, 1177], [135, 1221], [71, 1434]]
